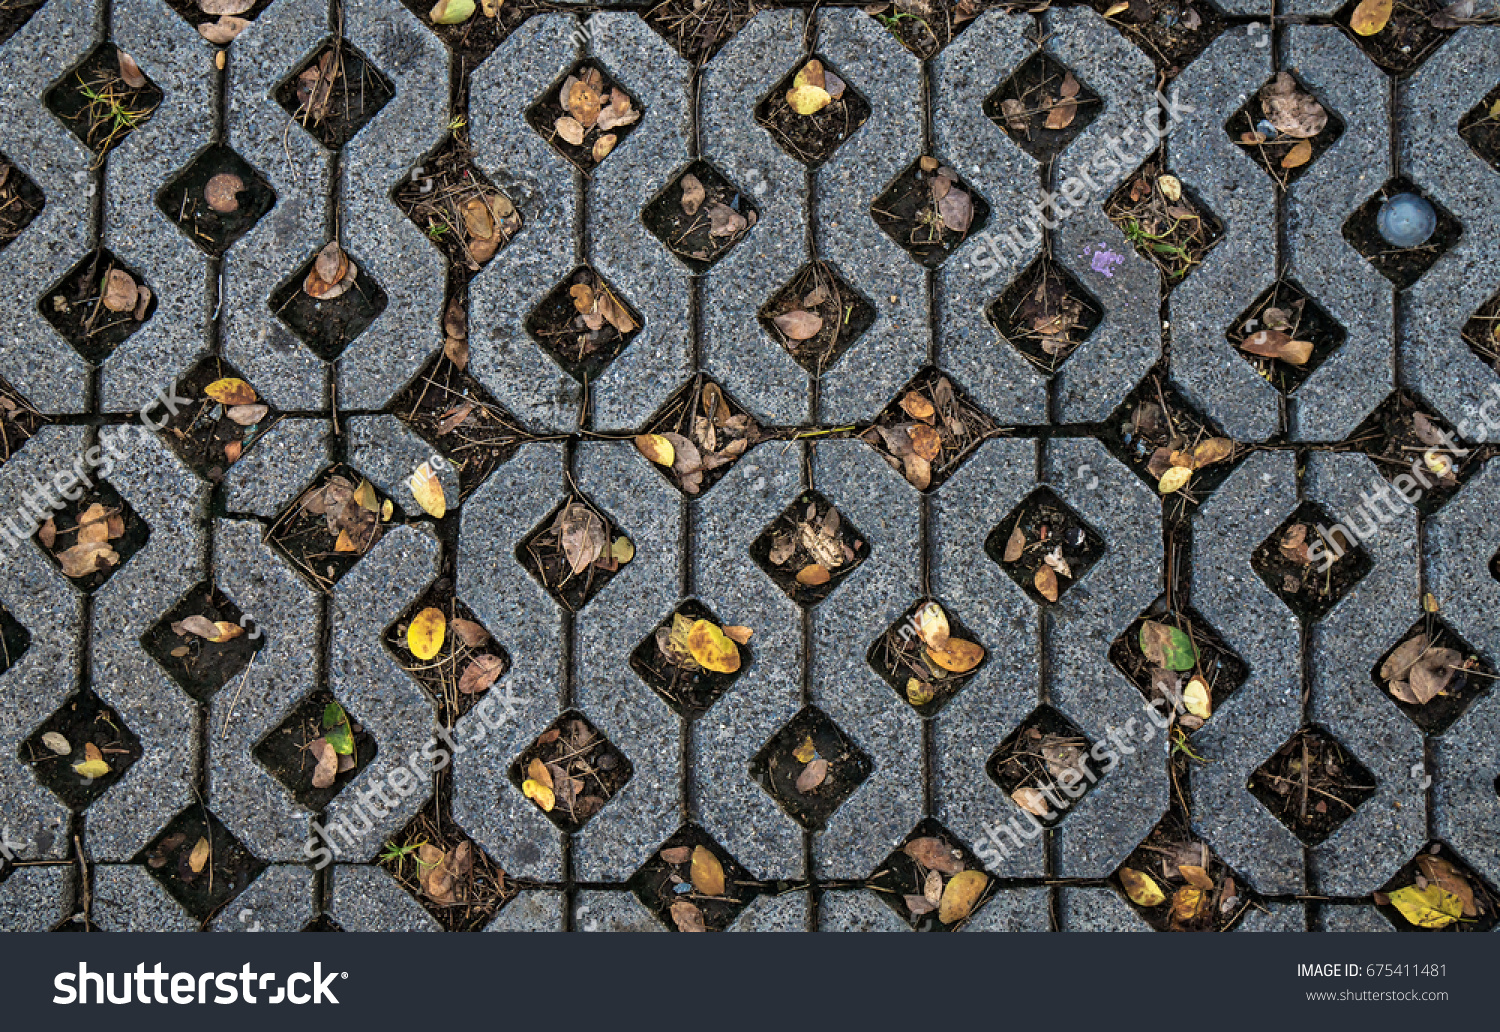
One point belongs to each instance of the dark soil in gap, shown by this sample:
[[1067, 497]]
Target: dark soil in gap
[[1172, 233], [1472, 679], [912, 215], [583, 771], [784, 540], [779, 769], [15, 639], [544, 558], [1031, 109], [474, 40], [1048, 525], [84, 720], [812, 139], [1043, 753], [195, 16], [843, 313], [1269, 151], [183, 200], [115, 110], [926, 26], [1480, 128], [14, 14], [1217, 664], [1301, 318], [1284, 561], [1400, 435], [327, 326], [441, 677], [689, 234], [202, 433], [67, 524], [697, 30], [1482, 333], [1170, 846], [1155, 421], [543, 116], [1407, 40], [21, 200], [719, 428], [19, 422], [584, 324], [307, 539], [1312, 785], [455, 414], [333, 96], [1403, 266], [662, 882], [75, 307], [899, 656], [1486, 902], [447, 197], [690, 692], [1172, 33], [1045, 315], [902, 878], [225, 871], [286, 754], [200, 666], [933, 401], [450, 875]]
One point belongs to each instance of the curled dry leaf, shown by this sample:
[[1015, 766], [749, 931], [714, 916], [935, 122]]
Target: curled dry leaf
[[692, 194], [246, 415], [603, 145], [676, 854], [1045, 580], [424, 637], [480, 674], [1215, 449], [583, 100], [1188, 903], [706, 873], [812, 776], [427, 489], [130, 72], [687, 917], [56, 743], [470, 633], [799, 325], [198, 858], [86, 558], [932, 854], [1298, 156], [1063, 112], [806, 752], [925, 441], [916, 406], [1032, 801], [570, 129], [738, 634], [932, 626], [961, 894], [327, 763], [1142, 890], [1196, 876], [231, 391], [957, 656], [814, 575], [656, 448], [119, 291], [1276, 344], [1015, 544], [202, 626], [218, 7], [224, 30]]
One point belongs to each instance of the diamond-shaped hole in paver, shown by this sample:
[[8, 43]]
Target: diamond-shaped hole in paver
[[1045, 314], [1171, 33], [98, 304], [927, 678], [112, 535], [1408, 39], [1284, 310], [1431, 658], [199, 665], [570, 771], [719, 428], [691, 236], [1479, 127], [1046, 526], [1153, 422], [195, 16], [484, 435], [468, 657], [817, 317], [200, 862], [21, 200], [931, 416], [1191, 650], [331, 525], [322, 923], [544, 557], [1214, 905], [97, 105], [1482, 332], [1408, 441], [812, 138], [808, 564], [328, 323], [1039, 109], [925, 31], [697, 29], [811, 767], [90, 732], [584, 323], [1285, 100], [216, 199], [448, 873], [586, 90], [930, 855], [204, 434], [334, 93], [289, 754], [1173, 234], [15, 639], [460, 210], [1044, 769], [1312, 784], [473, 39], [1403, 266], [19, 421], [1291, 561], [666, 664], [928, 227], [664, 883], [14, 16], [1477, 905]]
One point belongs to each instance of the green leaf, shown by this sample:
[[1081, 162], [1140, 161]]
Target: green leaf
[[1432, 907], [336, 729], [1166, 646]]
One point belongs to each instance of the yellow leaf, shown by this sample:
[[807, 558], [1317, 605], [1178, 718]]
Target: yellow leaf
[[707, 873], [425, 635], [1174, 479], [1045, 580], [1298, 156], [1432, 907], [960, 894], [231, 391], [1215, 449], [387, 510], [428, 491], [1370, 16], [1430, 602], [805, 752], [1187, 904], [1195, 696], [1119, 8], [712, 649], [813, 576], [1143, 892], [451, 12], [622, 551], [918, 693], [539, 794], [808, 100], [958, 656], [656, 448], [224, 631], [1196, 876], [932, 626], [1170, 187], [364, 494], [93, 765], [345, 543], [199, 856], [537, 771]]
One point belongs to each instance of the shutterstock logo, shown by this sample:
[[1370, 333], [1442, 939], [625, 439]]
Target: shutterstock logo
[[186, 988]]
